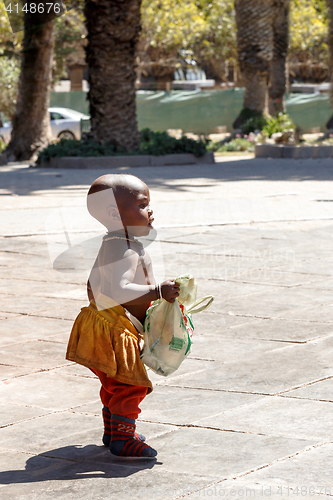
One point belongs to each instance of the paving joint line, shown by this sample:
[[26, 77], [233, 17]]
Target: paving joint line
[[32, 372], [305, 399], [160, 384], [41, 281], [303, 385]]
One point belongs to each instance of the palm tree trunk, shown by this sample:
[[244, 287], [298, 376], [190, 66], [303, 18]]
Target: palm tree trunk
[[113, 31], [254, 20], [278, 82], [31, 123]]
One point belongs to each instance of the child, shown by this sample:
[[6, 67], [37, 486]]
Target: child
[[105, 336]]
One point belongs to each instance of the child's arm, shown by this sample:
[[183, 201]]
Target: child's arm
[[126, 290]]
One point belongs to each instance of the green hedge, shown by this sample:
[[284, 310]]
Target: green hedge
[[151, 143]]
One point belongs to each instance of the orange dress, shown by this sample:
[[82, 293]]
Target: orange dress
[[107, 340]]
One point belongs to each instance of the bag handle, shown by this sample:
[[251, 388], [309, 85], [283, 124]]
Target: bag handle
[[192, 309]]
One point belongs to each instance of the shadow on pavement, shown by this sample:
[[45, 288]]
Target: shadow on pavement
[[23, 180], [73, 462]]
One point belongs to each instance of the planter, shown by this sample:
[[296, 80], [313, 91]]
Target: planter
[[293, 152], [3, 159], [126, 161]]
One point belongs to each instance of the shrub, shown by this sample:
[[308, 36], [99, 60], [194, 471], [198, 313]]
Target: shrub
[[238, 144], [278, 123], [213, 146], [254, 123], [2, 146], [151, 143], [161, 143]]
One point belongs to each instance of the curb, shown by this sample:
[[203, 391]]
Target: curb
[[293, 152], [127, 161], [3, 159]]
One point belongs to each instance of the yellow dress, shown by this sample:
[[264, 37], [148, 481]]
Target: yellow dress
[[106, 339]]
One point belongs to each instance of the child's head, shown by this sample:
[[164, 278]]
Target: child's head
[[121, 201]]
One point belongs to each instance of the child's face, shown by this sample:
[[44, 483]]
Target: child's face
[[136, 214]]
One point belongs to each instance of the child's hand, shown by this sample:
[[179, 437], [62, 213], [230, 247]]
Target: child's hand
[[170, 290]]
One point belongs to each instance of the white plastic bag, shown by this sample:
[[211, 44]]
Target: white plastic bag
[[168, 328]]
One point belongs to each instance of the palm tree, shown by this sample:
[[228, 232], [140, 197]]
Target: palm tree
[[31, 121], [254, 20], [280, 49], [113, 29]]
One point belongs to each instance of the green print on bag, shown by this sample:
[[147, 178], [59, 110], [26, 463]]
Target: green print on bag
[[176, 344]]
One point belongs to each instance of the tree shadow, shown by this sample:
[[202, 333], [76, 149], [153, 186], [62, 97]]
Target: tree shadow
[[22, 180], [75, 462]]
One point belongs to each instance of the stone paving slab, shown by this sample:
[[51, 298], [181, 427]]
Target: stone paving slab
[[31, 327], [81, 479], [283, 330], [189, 405], [37, 288], [308, 469], [75, 370], [7, 315], [67, 312], [8, 372], [13, 413], [229, 456], [41, 304], [34, 390], [267, 303], [276, 416], [319, 313], [40, 354], [48, 276], [255, 367], [280, 277], [215, 321], [319, 391]]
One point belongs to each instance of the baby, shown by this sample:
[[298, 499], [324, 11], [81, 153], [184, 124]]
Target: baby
[[105, 336]]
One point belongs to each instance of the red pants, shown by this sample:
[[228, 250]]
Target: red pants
[[121, 399]]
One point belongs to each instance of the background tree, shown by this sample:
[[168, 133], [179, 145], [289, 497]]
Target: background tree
[[254, 44], [113, 28], [31, 122], [171, 30], [10, 48], [69, 40], [216, 52], [190, 34], [9, 74], [308, 49], [278, 75]]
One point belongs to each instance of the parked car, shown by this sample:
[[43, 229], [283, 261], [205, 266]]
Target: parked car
[[65, 123]]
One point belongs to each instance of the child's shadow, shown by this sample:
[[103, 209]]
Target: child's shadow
[[74, 462]]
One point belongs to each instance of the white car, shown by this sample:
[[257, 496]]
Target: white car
[[65, 124]]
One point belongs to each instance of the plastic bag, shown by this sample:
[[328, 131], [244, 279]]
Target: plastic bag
[[168, 328]]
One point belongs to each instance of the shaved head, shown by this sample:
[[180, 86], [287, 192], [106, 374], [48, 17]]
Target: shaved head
[[112, 190]]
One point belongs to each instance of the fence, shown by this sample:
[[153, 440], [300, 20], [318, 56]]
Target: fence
[[201, 111]]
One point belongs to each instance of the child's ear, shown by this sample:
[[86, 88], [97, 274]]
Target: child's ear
[[113, 213]]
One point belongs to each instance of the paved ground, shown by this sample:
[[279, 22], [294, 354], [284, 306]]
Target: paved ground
[[250, 413]]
